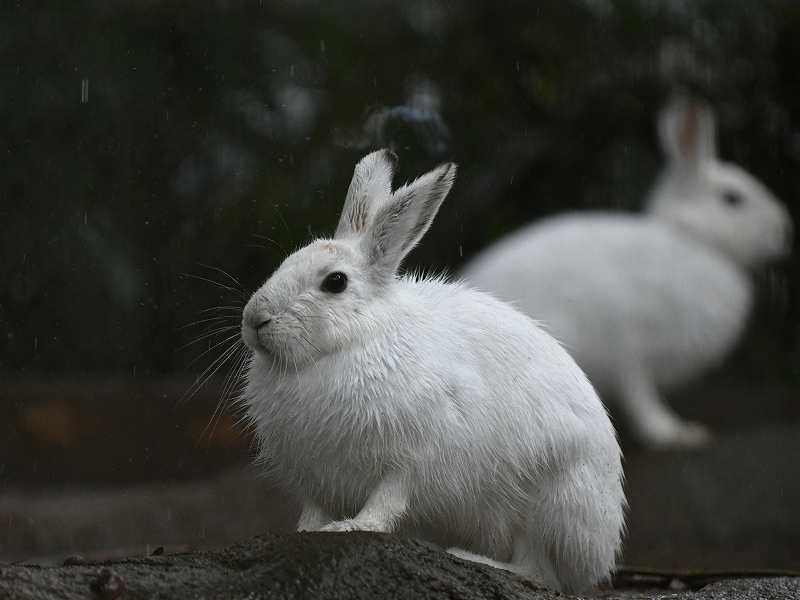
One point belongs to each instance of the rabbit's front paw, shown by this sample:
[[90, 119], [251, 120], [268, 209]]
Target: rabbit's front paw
[[359, 524], [694, 434], [344, 525]]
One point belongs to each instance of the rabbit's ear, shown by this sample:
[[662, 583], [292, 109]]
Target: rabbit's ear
[[687, 131], [402, 221], [370, 188]]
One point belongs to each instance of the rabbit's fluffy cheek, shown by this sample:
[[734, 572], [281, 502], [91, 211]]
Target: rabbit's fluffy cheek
[[742, 217], [301, 334], [288, 339]]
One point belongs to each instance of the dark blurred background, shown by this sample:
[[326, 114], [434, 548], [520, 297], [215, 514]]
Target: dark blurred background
[[159, 159]]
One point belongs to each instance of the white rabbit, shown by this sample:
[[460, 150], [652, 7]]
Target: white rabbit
[[424, 407], [647, 302]]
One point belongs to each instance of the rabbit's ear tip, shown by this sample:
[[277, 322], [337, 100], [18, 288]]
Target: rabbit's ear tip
[[381, 155], [449, 170], [390, 157]]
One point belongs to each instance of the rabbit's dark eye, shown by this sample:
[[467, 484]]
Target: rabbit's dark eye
[[334, 283], [732, 198]]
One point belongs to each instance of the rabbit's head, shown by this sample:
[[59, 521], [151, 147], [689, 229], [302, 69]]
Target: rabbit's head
[[333, 292], [716, 201]]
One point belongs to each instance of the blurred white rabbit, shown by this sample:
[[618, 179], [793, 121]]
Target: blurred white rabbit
[[425, 407], [647, 302]]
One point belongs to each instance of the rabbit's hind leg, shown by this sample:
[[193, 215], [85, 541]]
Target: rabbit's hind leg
[[479, 558], [526, 562], [654, 423]]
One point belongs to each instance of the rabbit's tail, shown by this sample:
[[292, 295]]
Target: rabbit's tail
[[568, 539], [577, 526]]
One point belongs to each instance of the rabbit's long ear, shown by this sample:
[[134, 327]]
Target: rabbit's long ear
[[370, 188], [687, 131], [402, 221]]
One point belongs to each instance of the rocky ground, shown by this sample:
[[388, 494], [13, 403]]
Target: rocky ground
[[317, 566]]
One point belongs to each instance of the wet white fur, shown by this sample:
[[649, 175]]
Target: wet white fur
[[427, 408], [646, 302]]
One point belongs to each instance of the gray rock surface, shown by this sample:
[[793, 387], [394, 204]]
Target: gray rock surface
[[302, 565], [772, 588], [316, 566]]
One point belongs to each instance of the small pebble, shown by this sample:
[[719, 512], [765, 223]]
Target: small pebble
[[677, 584], [74, 560], [108, 585]]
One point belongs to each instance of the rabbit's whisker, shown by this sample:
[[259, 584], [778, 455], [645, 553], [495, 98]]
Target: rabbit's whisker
[[228, 275], [238, 353], [208, 320], [268, 239], [210, 370], [235, 308], [218, 284], [212, 346], [289, 231], [210, 334]]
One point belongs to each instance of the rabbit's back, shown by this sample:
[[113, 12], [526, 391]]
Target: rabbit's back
[[622, 289], [520, 431]]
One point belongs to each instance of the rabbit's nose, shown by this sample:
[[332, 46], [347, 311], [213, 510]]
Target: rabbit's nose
[[255, 334]]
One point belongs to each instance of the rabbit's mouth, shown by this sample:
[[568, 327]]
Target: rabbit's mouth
[[256, 337], [263, 337], [274, 339]]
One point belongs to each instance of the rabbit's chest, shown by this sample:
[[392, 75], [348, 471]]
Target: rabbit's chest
[[350, 420]]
